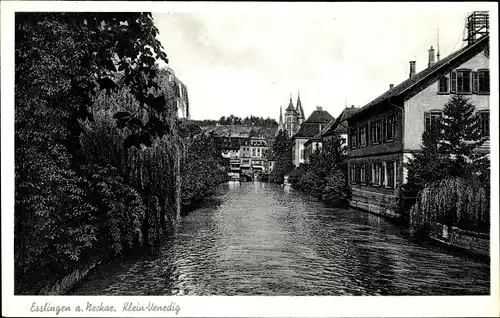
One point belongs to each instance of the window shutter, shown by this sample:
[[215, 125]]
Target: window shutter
[[427, 119], [475, 82], [453, 87]]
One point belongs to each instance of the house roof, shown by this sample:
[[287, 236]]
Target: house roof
[[307, 130], [319, 116], [409, 84]]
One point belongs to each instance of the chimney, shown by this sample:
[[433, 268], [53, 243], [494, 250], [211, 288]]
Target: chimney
[[432, 59], [412, 68], [319, 108], [391, 86]]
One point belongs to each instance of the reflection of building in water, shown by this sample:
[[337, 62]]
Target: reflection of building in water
[[233, 185]]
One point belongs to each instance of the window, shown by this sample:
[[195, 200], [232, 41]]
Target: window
[[462, 80], [375, 130], [483, 81], [352, 173], [362, 174], [253, 152], [432, 118], [362, 135], [352, 137], [390, 168], [443, 85], [484, 120], [377, 174], [390, 128]]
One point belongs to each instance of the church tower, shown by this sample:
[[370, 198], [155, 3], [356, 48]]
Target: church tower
[[291, 119]]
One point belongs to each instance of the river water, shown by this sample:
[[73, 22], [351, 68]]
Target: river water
[[263, 239]]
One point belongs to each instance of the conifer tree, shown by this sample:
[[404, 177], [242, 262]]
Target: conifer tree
[[461, 135], [428, 165]]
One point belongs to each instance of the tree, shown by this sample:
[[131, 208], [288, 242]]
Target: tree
[[282, 153], [70, 200], [461, 136], [428, 165]]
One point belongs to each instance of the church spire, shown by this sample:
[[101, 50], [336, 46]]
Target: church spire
[[290, 104], [300, 110], [280, 123]]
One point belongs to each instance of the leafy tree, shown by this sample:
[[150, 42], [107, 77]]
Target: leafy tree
[[76, 195], [203, 167], [282, 154], [325, 176], [428, 165]]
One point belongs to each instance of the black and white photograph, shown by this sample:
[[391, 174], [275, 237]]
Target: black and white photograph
[[160, 151]]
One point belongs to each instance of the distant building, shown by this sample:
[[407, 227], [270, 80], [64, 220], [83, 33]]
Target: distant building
[[309, 128], [387, 131], [245, 149]]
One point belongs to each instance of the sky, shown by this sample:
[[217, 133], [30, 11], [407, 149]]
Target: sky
[[248, 63]]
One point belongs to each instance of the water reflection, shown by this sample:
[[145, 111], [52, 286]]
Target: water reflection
[[264, 239]]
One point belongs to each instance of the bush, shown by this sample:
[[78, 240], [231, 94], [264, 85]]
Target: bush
[[452, 201]]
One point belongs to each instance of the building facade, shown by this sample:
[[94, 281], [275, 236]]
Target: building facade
[[386, 132], [309, 128]]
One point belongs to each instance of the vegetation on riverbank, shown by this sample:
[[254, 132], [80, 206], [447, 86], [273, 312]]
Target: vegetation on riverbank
[[203, 167], [325, 175], [282, 154], [450, 179], [97, 146]]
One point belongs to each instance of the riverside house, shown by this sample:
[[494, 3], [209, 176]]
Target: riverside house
[[308, 129], [387, 131]]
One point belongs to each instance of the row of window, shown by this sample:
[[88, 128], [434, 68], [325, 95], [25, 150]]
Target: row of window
[[465, 81], [433, 117], [380, 130], [376, 173]]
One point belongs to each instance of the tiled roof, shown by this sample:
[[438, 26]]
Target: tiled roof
[[319, 116], [407, 85], [307, 130]]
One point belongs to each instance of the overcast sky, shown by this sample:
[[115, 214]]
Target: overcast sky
[[248, 63]]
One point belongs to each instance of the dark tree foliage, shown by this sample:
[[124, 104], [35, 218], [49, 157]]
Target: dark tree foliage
[[248, 121], [282, 155], [428, 165], [85, 186], [325, 176], [461, 136], [203, 167]]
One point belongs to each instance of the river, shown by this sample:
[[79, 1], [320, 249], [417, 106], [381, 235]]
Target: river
[[263, 239]]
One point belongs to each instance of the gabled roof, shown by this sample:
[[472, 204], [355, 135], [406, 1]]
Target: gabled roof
[[408, 85], [319, 116], [307, 130]]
